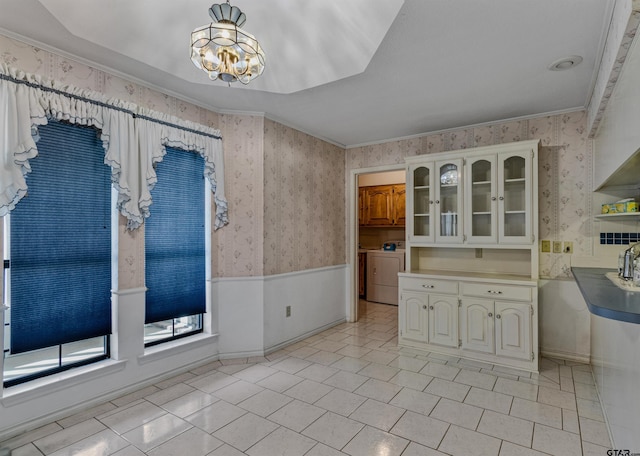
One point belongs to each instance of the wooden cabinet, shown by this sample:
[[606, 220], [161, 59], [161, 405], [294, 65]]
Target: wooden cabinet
[[382, 205], [487, 321]]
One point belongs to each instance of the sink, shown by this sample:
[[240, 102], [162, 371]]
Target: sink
[[626, 285]]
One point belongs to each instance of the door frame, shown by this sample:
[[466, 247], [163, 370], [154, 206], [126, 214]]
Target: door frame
[[353, 231]]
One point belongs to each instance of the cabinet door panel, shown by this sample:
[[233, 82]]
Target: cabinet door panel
[[420, 200], [513, 330], [477, 325], [413, 316], [481, 202], [515, 197], [443, 320], [448, 203], [378, 205], [399, 205]]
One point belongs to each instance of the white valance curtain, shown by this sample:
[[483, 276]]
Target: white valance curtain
[[134, 140]]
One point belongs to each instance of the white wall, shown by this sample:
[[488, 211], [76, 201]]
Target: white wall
[[615, 349], [564, 321], [317, 300]]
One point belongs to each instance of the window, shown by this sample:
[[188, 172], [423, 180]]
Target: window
[[175, 260], [58, 247]]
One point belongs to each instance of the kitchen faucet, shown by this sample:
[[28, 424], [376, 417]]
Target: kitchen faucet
[[629, 256]]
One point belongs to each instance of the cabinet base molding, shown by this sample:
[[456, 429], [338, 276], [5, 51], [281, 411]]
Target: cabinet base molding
[[528, 366]]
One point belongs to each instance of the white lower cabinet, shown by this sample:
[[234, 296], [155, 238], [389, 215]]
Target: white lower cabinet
[[413, 316], [462, 322], [477, 325], [443, 320], [513, 330]]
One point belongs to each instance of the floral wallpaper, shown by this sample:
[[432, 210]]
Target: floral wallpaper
[[304, 201], [237, 248], [564, 165], [285, 188]]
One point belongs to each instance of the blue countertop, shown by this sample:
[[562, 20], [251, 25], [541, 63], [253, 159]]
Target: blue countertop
[[605, 299]]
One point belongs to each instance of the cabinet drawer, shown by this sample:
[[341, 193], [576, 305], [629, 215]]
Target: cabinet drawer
[[497, 291], [430, 285]]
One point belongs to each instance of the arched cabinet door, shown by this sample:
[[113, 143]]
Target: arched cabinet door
[[413, 316], [515, 198], [448, 202], [476, 325], [420, 203], [513, 330], [443, 320]]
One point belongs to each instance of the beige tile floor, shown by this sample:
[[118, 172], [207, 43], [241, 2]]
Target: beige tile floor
[[347, 391]]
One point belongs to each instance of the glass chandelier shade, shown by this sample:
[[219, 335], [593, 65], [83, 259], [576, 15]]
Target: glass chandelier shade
[[223, 50]]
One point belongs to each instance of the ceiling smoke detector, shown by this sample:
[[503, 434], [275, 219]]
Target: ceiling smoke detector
[[565, 63]]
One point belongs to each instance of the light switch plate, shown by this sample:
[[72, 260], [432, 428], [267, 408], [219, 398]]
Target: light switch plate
[[557, 246], [288, 311], [545, 246]]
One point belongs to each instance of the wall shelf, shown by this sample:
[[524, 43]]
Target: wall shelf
[[620, 216]]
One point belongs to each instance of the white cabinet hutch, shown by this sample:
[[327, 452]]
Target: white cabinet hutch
[[470, 287]]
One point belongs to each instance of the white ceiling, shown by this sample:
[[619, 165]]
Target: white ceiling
[[374, 70]]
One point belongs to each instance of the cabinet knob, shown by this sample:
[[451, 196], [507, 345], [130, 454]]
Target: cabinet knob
[[430, 201], [501, 198], [490, 315], [493, 198], [430, 307], [498, 316], [424, 307], [437, 201]]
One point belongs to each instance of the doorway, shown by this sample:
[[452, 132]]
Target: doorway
[[371, 236]]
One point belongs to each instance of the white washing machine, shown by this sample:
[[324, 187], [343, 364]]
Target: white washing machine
[[383, 267]]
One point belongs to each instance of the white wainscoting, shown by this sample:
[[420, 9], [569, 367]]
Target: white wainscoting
[[564, 321], [317, 298], [252, 310]]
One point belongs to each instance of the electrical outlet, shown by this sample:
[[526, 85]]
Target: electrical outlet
[[288, 311], [568, 247], [478, 253], [545, 246], [557, 246]]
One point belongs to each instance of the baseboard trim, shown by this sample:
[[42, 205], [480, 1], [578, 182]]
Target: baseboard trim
[[586, 359], [286, 343]]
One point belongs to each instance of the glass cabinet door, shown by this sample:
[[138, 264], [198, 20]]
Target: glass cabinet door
[[422, 202], [448, 201], [514, 198], [481, 212]]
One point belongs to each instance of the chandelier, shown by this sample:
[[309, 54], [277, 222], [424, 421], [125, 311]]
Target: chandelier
[[223, 50]]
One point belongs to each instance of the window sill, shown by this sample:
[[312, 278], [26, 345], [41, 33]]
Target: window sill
[[53, 383], [175, 347]]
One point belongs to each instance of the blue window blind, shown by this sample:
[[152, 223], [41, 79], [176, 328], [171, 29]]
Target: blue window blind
[[61, 243], [174, 239]]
